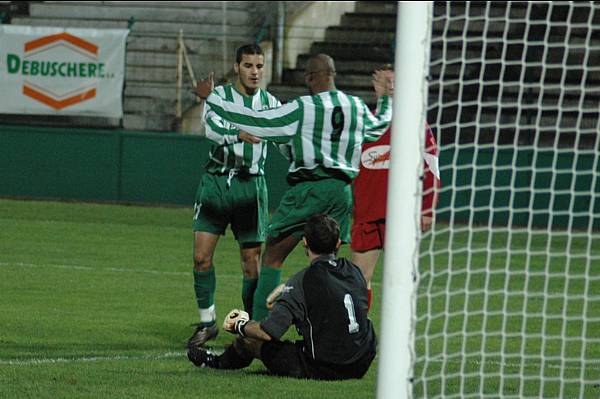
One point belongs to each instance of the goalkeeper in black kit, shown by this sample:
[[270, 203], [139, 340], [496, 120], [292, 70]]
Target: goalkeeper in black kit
[[327, 302]]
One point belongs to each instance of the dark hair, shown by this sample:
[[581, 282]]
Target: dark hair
[[249, 49], [322, 234]]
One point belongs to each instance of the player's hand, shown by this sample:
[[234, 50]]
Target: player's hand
[[248, 138], [383, 82], [274, 295], [426, 222], [204, 87], [235, 317]]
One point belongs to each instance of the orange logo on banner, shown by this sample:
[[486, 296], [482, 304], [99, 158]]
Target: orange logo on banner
[[44, 95]]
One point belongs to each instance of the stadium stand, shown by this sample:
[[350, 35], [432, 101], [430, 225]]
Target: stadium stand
[[471, 43], [359, 44], [150, 86], [364, 40]]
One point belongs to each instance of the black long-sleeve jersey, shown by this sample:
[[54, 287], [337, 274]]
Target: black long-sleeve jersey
[[327, 302]]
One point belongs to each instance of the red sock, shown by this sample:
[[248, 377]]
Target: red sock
[[368, 299]]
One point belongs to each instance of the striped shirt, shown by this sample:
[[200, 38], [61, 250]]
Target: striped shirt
[[230, 153], [323, 133]]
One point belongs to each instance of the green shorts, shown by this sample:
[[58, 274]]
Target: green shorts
[[243, 203], [330, 196]]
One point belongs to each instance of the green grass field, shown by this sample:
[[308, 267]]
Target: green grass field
[[97, 300]]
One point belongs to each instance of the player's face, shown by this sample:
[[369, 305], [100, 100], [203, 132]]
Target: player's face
[[250, 72]]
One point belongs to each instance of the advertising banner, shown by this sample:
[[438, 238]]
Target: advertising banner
[[56, 71]]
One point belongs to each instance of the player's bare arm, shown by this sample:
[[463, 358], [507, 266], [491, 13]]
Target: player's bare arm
[[238, 322], [205, 86], [383, 82], [248, 138]]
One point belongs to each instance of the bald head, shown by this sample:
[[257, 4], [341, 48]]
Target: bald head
[[320, 71], [321, 62]]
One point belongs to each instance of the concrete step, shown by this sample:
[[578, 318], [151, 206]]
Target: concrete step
[[517, 10], [512, 71], [141, 12], [295, 77], [201, 64], [151, 74], [215, 30], [352, 51], [152, 92], [339, 34], [195, 46], [376, 7], [571, 55], [231, 5], [478, 27], [288, 92], [158, 90], [149, 106], [378, 22], [344, 66]]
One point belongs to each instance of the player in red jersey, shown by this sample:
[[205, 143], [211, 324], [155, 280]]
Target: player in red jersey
[[370, 194]]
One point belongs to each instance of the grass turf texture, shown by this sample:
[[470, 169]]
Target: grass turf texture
[[97, 301]]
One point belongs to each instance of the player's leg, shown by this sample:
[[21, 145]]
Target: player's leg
[[204, 287], [250, 215], [279, 245], [285, 358], [283, 234], [250, 259], [329, 196], [237, 355], [210, 221], [367, 243], [366, 261], [276, 251]]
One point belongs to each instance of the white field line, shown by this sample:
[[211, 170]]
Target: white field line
[[30, 362], [120, 270], [103, 269], [179, 354], [169, 355]]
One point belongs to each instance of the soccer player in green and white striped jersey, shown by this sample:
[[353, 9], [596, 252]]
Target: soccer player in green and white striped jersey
[[323, 133], [232, 191]]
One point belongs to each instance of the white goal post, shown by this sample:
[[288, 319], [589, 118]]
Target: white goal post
[[505, 300], [410, 103]]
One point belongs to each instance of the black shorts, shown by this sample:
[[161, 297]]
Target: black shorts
[[289, 359]]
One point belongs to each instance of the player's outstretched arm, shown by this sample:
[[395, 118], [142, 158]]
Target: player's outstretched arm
[[216, 129], [376, 124], [248, 138], [275, 124], [238, 322]]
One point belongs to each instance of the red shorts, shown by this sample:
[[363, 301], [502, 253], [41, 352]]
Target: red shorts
[[367, 236]]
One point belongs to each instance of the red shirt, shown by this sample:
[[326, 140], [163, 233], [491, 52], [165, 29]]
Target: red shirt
[[370, 186]]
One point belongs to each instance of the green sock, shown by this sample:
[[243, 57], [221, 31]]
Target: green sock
[[248, 289], [205, 285], [267, 281]]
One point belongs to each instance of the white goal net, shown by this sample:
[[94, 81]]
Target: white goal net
[[508, 300]]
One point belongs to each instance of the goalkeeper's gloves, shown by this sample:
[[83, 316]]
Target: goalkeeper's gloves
[[236, 321]]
